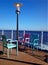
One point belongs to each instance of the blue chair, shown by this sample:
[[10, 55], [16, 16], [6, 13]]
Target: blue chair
[[35, 41], [9, 44]]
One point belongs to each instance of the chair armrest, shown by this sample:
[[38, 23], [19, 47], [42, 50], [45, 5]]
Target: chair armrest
[[36, 39]]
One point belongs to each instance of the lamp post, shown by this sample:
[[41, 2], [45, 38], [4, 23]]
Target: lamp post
[[17, 12]]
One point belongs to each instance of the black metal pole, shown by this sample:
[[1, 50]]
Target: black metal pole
[[17, 27]]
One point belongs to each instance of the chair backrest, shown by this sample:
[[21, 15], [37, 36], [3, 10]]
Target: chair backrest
[[35, 39], [4, 40], [26, 38]]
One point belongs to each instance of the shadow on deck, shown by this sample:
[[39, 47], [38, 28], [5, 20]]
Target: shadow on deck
[[20, 61]]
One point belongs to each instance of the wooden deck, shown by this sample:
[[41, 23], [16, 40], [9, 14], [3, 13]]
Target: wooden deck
[[26, 57]]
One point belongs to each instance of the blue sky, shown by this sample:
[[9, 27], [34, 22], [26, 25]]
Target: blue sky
[[33, 14]]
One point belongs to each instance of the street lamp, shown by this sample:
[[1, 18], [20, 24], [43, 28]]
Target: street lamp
[[18, 5]]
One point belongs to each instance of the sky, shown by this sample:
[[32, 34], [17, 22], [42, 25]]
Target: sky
[[33, 14]]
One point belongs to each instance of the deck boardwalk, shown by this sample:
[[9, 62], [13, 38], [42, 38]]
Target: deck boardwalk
[[27, 57]]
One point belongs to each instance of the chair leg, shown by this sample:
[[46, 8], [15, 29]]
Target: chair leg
[[11, 50], [17, 50], [8, 53]]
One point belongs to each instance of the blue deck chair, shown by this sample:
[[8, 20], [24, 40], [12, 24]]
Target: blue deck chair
[[9, 45], [35, 43]]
